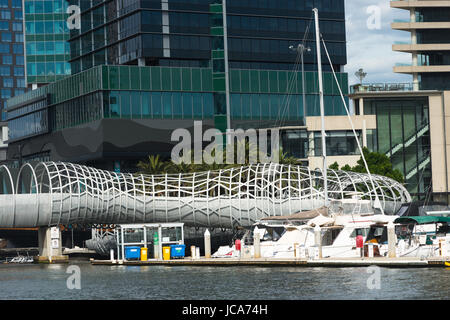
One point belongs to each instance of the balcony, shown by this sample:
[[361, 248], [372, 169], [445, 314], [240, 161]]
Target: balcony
[[381, 87], [410, 69], [409, 47], [408, 4], [407, 25]]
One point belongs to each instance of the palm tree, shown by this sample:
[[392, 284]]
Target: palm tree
[[287, 160], [182, 167], [154, 165]]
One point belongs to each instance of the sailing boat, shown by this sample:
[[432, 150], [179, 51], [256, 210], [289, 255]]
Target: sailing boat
[[337, 224]]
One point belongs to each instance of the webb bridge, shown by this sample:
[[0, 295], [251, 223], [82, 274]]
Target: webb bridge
[[48, 194]]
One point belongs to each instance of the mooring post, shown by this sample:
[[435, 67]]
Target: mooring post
[[318, 239], [257, 243], [207, 244], [156, 245], [391, 240]]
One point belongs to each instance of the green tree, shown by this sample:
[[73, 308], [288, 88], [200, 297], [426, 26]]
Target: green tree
[[378, 163], [334, 166]]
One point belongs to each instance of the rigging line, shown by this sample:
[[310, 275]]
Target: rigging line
[[288, 96], [353, 127], [289, 89], [305, 36], [290, 84]]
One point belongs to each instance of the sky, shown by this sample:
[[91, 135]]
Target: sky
[[369, 43]]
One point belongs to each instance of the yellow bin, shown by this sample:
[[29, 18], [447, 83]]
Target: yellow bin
[[144, 253], [166, 253]]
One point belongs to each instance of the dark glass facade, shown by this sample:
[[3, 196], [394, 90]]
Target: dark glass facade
[[178, 33], [12, 69], [403, 134], [258, 98], [46, 39]]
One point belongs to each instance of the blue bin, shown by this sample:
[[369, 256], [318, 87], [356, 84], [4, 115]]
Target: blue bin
[[177, 251], [132, 253]]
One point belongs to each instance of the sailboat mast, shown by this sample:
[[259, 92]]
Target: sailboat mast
[[322, 109]]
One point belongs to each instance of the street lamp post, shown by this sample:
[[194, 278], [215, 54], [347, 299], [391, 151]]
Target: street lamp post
[[301, 49]]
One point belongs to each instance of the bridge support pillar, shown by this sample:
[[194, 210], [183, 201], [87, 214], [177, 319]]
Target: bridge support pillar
[[50, 248]]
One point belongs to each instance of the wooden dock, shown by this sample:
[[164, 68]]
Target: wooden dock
[[328, 262]]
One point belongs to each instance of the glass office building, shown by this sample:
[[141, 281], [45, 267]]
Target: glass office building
[[403, 134], [141, 69], [12, 69], [46, 41], [178, 33]]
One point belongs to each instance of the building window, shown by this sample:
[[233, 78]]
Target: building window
[[17, 3], [19, 37], [6, 37], [20, 83], [5, 71], [295, 143], [4, 48], [7, 59], [18, 48], [6, 93], [8, 82], [19, 71], [5, 14], [339, 143], [18, 92], [18, 15], [17, 26]]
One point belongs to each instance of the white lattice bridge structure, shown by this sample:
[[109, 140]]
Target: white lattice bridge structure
[[54, 193]]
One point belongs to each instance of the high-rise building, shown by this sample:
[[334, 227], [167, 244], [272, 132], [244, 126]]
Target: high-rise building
[[429, 25], [12, 70], [411, 118], [141, 69], [46, 46]]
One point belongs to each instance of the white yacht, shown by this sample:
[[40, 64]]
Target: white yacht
[[295, 235], [417, 236]]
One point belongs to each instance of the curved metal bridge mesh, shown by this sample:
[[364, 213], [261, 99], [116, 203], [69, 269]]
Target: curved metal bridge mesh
[[51, 193]]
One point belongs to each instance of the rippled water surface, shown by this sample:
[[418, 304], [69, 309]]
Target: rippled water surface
[[222, 283]]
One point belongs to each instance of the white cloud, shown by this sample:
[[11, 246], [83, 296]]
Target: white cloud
[[372, 49]]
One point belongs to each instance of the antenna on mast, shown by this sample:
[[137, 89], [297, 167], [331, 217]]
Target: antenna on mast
[[360, 74]]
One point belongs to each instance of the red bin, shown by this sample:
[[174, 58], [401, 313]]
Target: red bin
[[237, 244], [359, 241]]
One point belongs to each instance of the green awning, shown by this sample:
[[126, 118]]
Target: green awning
[[422, 219]]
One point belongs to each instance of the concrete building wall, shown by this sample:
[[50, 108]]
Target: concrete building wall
[[439, 122], [340, 123], [317, 162], [437, 139]]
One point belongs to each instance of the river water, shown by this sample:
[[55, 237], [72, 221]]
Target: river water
[[219, 283]]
